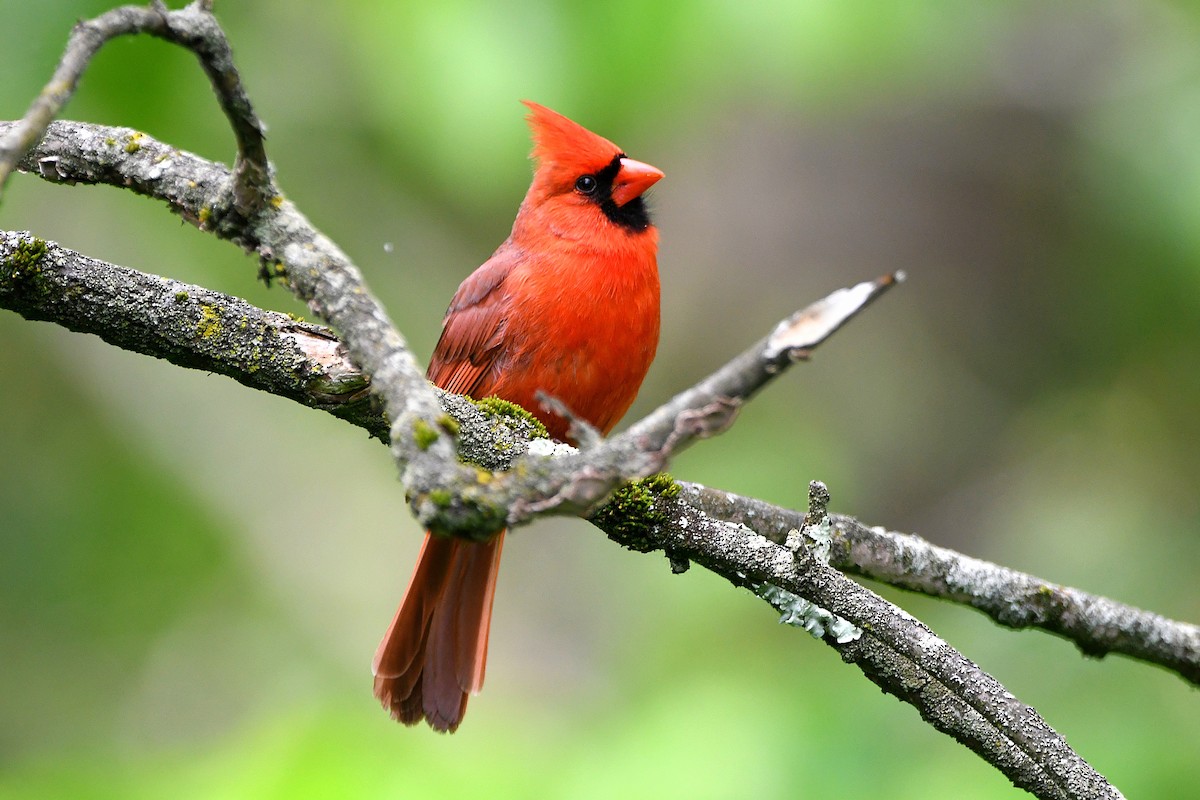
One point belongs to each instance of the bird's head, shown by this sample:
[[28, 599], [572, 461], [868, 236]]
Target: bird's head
[[578, 169]]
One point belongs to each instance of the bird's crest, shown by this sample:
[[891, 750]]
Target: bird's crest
[[560, 142]]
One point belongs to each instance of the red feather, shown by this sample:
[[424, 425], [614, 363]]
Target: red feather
[[568, 305]]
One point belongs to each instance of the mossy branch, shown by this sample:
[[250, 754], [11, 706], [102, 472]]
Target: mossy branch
[[894, 650], [187, 325], [194, 327], [320, 274], [244, 206], [45, 281]]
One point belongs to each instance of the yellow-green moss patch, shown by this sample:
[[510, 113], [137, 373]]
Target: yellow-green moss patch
[[28, 255], [497, 407], [424, 435], [632, 511], [210, 321]]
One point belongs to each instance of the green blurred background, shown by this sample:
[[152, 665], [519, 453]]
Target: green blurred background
[[193, 577]]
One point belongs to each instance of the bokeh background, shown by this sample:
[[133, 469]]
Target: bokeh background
[[193, 576]]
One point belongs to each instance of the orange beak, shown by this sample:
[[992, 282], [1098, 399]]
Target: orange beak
[[632, 179]]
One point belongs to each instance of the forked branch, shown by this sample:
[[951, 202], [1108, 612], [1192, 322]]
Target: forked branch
[[243, 206]]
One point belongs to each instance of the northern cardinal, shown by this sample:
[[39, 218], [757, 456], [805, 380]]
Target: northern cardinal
[[567, 305]]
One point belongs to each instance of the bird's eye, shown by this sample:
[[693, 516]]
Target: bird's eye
[[587, 184]]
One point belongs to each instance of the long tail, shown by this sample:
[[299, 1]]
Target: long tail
[[432, 657]]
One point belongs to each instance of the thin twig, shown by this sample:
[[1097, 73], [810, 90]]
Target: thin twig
[[192, 27]]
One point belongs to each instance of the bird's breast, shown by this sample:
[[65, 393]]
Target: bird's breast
[[585, 332]]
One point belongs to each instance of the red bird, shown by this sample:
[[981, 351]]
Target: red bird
[[567, 305]]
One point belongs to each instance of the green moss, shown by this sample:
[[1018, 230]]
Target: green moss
[[28, 255], [660, 484], [181, 297], [22, 272], [110, 142], [632, 511], [205, 215], [135, 143], [448, 423], [473, 517], [210, 321], [496, 407], [424, 434]]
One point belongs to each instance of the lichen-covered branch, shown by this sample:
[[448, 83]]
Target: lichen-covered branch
[[897, 652], [244, 206], [185, 324], [194, 28], [197, 328], [1097, 625], [711, 405], [319, 273]]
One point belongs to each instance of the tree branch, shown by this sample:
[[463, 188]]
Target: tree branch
[[245, 208], [197, 328], [896, 651], [186, 325], [194, 327], [193, 28], [319, 273], [1097, 625]]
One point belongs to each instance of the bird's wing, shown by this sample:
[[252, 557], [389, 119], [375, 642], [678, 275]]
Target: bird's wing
[[465, 360]]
